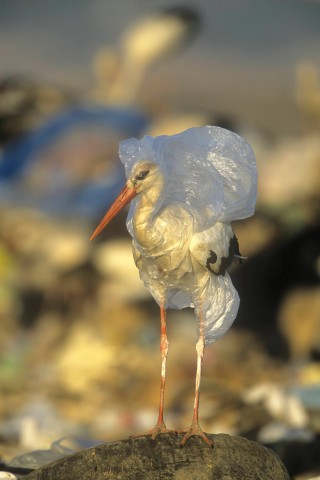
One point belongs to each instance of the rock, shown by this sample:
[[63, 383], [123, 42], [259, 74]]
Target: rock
[[231, 458]]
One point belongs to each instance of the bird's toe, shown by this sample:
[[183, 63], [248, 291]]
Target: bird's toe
[[194, 430], [159, 429]]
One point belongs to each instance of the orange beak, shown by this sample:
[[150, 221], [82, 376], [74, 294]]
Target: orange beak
[[124, 197]]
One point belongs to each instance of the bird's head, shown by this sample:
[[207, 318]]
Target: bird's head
[[144, 176]]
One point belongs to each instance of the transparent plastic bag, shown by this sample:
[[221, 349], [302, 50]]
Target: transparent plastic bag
[[209, 179]]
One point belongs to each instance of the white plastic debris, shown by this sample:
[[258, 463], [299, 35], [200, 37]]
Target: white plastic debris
[[277, 431], [58, 449], [192, 185], [283, 406], [7, 475], [209, 169]]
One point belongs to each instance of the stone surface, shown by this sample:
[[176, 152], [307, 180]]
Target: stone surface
[[231, 458]]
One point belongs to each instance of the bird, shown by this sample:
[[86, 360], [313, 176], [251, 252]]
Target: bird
[[184, 191], [152, 38]]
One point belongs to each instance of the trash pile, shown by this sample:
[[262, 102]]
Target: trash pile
[[79, 343]]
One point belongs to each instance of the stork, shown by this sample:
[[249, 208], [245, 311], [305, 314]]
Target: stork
[[151, 39], [184, 191]]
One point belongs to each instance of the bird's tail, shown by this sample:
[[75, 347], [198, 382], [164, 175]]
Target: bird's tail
[[218, 304], [240, 258]]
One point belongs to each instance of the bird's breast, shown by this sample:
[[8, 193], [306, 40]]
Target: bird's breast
[[165, 241], [170, 270]]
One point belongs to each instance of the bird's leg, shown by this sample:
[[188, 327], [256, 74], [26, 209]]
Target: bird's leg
[[164, 345], [160, 426], [195, 428]]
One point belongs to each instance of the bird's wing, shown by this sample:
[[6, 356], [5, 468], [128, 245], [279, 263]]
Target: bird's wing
[[216, 300], [215, 248], [210, 170]]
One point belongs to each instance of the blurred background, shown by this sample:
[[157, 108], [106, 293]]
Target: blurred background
[[79, 343]]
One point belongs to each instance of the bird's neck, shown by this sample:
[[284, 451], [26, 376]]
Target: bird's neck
[[148, 205]]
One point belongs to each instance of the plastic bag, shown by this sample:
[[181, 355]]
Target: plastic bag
[[209, 179]]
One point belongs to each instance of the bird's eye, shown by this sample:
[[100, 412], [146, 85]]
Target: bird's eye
[[141, 175]]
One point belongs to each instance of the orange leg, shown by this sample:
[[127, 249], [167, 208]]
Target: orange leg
[[195, 428], [160, 426], [164, 345]]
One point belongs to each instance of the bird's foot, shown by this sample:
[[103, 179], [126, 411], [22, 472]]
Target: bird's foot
[[194, 429], [159, 429]]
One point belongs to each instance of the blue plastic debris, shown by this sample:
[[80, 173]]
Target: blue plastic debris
[[70, 164]]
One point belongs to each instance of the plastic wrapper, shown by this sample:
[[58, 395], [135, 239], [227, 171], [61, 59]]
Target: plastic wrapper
[[203, 179]]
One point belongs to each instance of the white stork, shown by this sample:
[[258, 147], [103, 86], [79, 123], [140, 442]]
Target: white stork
[[185, 190]]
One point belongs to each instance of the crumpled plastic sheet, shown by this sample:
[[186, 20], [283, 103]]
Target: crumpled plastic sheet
[[209, 180]]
